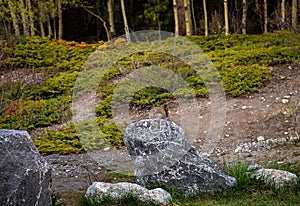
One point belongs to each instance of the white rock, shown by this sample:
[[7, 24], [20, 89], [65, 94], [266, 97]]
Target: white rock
[[106, 149], [121, 189], [273, 177], [244, 107], [284, 101], [238, 150], [260, 138]]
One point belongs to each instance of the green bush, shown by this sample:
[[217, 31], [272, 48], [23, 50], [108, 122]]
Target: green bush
[[53, 87], [29, 114], [57, 55], [64, 141]]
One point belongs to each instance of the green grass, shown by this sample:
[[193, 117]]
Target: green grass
[[119, 177]]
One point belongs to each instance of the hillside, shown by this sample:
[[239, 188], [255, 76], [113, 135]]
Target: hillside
[[260, 75]]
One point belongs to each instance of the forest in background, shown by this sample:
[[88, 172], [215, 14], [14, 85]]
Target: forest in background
[[94, 20]]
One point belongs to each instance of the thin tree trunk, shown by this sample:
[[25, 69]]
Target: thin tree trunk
[[101, 19], [111, 17], [31, 20], [49, 25], [265, 16], [226, 17], [283, 14], [176, 18], [60, 20], [294, 14], [42, 28], [125, 21], [205, 18], [24, 17], [13, 13], [53, 16], [244, 17], [193, 15], [42, 17], [187, 16]]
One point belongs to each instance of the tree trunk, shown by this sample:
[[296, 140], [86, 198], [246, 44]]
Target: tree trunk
[[226, 17], [294, 14], [42, 28], [31, 20], [60, 20], [24, 17], [125, 21], [13, 13], [181, 17], [244, 17], [101, 19], [42, 18], [205, 18], [265, 16], [53, 16], [283, 14], [187, 17], [176, 18], [111, 17], [49, 25], [193, 15]]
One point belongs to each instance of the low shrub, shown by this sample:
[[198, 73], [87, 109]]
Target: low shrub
[[37, 52], [63, 141], [29, 114]]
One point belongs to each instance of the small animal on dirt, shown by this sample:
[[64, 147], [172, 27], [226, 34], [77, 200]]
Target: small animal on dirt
[[161, 112]]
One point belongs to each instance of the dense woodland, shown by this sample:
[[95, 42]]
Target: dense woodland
[[94, 20]]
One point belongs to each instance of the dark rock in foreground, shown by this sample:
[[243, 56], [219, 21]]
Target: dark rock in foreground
[[24, 174], [162, 156]]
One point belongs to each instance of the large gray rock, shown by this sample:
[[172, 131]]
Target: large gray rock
[[162, 156], [119, 190], [24, 174]]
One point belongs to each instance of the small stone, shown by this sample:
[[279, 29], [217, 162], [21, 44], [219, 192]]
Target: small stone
[[282, 77], [284, 101], [260, 138], [238, 150], [244, 107], [106, 149]]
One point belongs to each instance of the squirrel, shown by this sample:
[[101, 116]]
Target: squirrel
[[161, 112]]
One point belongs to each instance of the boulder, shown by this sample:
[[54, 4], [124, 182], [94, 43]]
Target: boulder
[[24, 174], [273, 177], [162, 156], [119, 190]]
